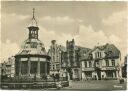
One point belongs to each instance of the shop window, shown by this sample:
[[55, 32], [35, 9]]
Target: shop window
[[88, 73], [109, 73]]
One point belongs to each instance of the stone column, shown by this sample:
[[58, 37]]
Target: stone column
[[45, 68], [38, 68], [29, 66], [20, 67]]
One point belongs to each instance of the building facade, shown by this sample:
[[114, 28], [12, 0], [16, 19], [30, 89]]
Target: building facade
[[8, 67], [71, 59], [124, 67], [102, 62], [55, 52]]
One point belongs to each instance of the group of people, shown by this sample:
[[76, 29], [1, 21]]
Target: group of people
[[54, 77]]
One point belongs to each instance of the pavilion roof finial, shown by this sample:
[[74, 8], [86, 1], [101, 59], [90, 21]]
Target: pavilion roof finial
[[33, 17], [33, 13]]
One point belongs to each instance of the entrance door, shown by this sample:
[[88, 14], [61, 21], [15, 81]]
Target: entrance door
[[98, 73]]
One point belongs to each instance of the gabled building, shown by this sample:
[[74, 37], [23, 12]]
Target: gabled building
[[55, 52], [102, 62]]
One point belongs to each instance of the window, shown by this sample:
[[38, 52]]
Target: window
[[33, 58], [33, 69], [57, 66], [42, 59], [90, 65], [75, 71], [24, 67], [24, 59], [42, 67], [53, 67], [97, 64], [95, 55], [113, 62], [98, 54], [85, 63], [107, 62]]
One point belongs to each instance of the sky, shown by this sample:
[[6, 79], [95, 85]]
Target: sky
[[89, 23]]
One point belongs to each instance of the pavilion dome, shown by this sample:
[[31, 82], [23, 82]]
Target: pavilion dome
[[32, 46]]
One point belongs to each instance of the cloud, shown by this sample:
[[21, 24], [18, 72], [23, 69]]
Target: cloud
[[8, 49], [65, 19], [46, 36], [87, 37], [50, 26], [60, 24], [115, 18], [116, 23], [16, 16]]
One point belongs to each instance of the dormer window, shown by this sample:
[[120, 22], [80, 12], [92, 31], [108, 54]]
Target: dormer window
[[33, 45]]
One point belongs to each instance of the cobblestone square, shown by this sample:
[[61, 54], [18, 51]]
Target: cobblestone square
[[97, 85]]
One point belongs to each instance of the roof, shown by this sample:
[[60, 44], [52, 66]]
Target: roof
[[82, 48], [62, 48], [32, 46], [110, 50]]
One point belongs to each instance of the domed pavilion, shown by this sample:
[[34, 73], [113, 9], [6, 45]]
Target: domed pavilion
[[32, 60]]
